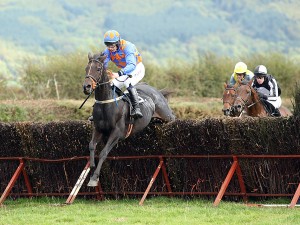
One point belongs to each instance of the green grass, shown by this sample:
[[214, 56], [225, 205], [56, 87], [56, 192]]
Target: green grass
[[44, 110], [157, 210], [12, 113], [48, 110]]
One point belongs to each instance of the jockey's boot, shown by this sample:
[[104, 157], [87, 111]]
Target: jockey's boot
[[133, 95], [276, 112]]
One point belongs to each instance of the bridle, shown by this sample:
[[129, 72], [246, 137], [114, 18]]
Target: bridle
[[229, 89], [245, 102], [230, 109], [95, 82]]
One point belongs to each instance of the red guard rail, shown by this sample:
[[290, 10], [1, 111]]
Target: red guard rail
[[235, 168]]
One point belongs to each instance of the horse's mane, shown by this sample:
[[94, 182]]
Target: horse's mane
[[255, 94], [229, 86], [253, 91], [97, 56], [244, 82], [232, 86]]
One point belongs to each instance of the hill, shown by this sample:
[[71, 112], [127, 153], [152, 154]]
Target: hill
[[161, 30]]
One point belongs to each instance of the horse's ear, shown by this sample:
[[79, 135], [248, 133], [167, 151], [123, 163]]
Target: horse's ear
[[102, 56], [90, 56], [225, 85]]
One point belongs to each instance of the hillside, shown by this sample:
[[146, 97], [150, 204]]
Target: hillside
[[161, 30]]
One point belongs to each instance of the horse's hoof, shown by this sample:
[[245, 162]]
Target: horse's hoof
[[93, 183]]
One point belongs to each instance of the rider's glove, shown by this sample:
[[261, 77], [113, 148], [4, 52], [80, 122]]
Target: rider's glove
[[120, 72], [262, 96]]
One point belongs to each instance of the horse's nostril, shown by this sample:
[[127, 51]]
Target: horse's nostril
[[226, 111]]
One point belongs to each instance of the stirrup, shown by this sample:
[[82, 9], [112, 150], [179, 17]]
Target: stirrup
[[136, 113]]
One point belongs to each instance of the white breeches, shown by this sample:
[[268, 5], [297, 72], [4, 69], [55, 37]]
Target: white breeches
[[125, 81], [276, 103]]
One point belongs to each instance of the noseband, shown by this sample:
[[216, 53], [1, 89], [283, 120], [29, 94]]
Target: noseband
[[247, 99], [228, 89], [244, 102], [95, 82]]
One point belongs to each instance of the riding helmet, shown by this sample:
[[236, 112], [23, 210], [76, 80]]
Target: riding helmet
[[260, 71], [240, 67], [111, 37]]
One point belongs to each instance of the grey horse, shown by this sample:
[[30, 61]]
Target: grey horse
[[111, 114]]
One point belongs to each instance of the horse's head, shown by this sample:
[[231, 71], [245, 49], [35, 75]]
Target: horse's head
[[94, 72], [244, 96], [228, 99]]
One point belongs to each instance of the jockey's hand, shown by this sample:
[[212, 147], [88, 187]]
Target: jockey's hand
[[262, 96], [112, 75], [94, 84], [115, 75]]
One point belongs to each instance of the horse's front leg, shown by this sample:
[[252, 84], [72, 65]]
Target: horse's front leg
[[112, 141], [92, 146]]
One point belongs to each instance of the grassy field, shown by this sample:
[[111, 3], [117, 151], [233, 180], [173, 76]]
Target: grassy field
[[47, 110], [59, 110], [156, 210]]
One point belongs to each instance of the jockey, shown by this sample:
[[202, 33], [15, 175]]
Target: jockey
[[240, 73], [124, 55], [264, 81]]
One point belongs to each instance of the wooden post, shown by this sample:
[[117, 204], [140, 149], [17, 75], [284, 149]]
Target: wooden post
[[79, 183], [12, 181], [225, 183], [295, 198], [151, 182]]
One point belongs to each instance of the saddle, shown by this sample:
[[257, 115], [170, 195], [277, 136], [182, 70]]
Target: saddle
[[126, 97], [270, 108]]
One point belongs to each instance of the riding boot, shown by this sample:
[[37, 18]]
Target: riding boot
[[276, 112], [133, 95]]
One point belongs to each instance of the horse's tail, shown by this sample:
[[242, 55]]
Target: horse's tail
[[166, 93]]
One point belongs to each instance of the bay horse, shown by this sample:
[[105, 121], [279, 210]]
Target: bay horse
[[111, 114], [247, 98], [229, 96]]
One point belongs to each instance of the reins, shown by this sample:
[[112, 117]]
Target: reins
[[245, 102], [254, 103], [95, 84]]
